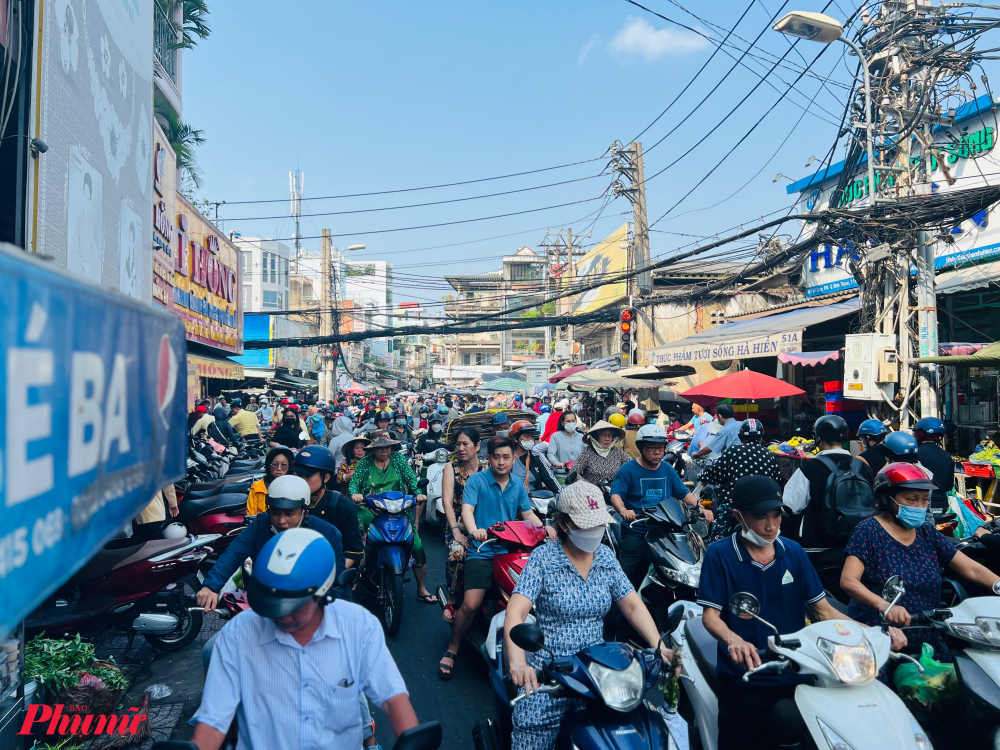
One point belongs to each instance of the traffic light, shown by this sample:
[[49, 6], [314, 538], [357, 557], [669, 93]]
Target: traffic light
[[625, 325]]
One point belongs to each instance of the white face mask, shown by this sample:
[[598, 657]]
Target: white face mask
[[570, 427], [527, 444], [435, 428], [587, 540], [754, 538], [503, 433]]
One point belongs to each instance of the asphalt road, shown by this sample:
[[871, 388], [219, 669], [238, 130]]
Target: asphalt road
[[462, 701]]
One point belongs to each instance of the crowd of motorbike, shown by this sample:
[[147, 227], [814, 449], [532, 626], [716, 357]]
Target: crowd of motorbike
[[138, 586]]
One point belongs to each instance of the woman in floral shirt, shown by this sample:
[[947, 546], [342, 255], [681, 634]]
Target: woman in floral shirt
[[385, 469], [353, 451], [601, 459], [463, 465]]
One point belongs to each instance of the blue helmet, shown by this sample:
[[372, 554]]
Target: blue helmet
[[901, 444], [872, 428], [929, 428], [292, 568], [500, 418], [544, 409], [314, 458]]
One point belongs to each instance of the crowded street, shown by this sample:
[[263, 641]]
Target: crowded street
[[540, 417]]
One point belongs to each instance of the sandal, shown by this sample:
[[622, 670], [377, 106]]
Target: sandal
[[449, 613], [444, 671], [427, 598]]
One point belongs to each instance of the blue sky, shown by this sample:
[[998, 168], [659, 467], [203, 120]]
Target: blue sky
[[380, 96]]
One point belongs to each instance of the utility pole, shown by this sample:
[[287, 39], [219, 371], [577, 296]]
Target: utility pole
[[325, 315], [296, 181], [627, 164], [561, 254]]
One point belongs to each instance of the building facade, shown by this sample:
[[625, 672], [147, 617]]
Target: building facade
[[266, 277]]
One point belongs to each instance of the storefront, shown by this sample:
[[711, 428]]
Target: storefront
[[196, 276]]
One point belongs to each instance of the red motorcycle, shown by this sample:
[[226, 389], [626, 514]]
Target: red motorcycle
[[136, 587], [222, 514]]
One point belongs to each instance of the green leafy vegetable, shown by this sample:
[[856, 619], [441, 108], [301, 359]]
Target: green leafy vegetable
[[58, 664]]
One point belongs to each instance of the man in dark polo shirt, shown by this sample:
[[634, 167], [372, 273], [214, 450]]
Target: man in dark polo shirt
[[777, 572]]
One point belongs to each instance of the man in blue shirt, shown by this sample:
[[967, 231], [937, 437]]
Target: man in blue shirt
[[641, 483], [489, 497], [727, 437], [778, 573]]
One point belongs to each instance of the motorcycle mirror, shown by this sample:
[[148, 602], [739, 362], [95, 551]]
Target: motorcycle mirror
[[529, 636], [894, 587], [346, 578], [422, 484], [673, 620], [743, 603], [421, 737]]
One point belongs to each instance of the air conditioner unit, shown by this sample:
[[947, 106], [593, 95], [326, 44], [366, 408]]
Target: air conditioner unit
[[869, 359]]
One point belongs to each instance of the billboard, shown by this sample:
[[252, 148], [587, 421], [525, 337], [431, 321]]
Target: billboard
[[962, 159], [292, 357], [94, 100], [608, 258]]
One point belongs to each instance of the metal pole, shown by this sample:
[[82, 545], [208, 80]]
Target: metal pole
[[869, 125]]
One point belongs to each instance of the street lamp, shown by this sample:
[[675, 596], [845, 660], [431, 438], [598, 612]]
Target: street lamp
[[817, 27], [355, 247]]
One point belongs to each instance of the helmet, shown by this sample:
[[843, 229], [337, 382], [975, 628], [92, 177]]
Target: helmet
[[175, 530], [635, 419], [288, 492], [291, 569], [522, 427], [638, 411], [435, 417], [830, 429], [751, 428], [424, 411], [929, 428], [500, 418], [383, 416], [314, 458], [652, 434], [544, 409], [902, 476], [443, 409], [280, 450], [872, 428], [901, 444], [618, 420]]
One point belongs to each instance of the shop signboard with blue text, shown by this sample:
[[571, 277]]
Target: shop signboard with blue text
[[93, 385]]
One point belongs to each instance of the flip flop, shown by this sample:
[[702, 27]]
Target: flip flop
[[427, 598], [449, 610], [444, 671]]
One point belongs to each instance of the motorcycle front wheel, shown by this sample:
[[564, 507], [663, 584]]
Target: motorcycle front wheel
[[187, 630], [392, 601]]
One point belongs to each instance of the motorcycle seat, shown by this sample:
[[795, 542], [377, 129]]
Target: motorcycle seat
[[224, 502], [107, 560], [704, 649], [241, 486]]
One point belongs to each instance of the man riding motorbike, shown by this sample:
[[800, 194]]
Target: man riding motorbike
[[929, 432], [287, 499], [433, 438], [317, 466], [872, 434], [528, 468], [501, 428]]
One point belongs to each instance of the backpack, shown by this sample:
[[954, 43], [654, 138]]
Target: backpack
[[847, 500]]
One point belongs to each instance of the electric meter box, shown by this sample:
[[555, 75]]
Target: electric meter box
[[869, 359]]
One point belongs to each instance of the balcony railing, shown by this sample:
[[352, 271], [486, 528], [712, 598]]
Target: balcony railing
[[164, 39]]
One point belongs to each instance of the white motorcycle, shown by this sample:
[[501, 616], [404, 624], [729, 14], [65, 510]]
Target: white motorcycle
[[433, 466], [845, 707]]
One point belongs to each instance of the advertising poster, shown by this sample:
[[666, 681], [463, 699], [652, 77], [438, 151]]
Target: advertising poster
[[608, 258]]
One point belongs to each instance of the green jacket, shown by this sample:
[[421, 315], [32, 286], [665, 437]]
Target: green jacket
[[359, 482]]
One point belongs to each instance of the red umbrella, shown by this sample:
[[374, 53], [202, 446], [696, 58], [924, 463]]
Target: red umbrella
[[567, 372], [744, 385]]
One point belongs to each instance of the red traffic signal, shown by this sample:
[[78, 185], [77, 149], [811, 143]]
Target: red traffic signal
[[628, 315]]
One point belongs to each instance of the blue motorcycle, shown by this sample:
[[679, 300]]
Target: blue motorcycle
[[387, 554], [612, 679]]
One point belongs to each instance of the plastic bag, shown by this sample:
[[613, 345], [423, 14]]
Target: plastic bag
[[936, 683], [968, 519], [158, 691]]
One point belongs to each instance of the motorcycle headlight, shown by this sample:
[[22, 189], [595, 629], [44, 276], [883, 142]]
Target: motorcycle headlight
[[853, 665], [689, 575], [834, 740], [621, 689], [393, 506], [514, 575], [985, 631]]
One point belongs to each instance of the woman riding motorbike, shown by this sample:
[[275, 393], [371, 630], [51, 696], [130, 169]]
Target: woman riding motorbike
[[385, 469], [602, 458], [277, 463]]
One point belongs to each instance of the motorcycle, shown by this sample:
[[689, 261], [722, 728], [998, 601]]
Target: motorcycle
[[612, 679], [845, 706], [425, 736], [431, 474], [132, 586], [543, 502], [388, 547], [677, 456]]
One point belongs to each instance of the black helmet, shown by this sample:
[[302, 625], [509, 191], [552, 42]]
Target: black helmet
[[315, 458], [830, 429], [751, 429], [383, 416]]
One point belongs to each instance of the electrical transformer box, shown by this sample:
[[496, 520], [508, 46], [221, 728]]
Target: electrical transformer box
[[870, 362]]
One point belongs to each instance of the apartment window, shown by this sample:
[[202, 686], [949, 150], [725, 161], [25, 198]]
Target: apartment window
[[484, 359], [274, 266], [247, 291], [522, 272], [466, 359], [271, 299], [284, 271], [247, 263]]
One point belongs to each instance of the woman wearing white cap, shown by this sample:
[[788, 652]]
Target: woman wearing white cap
[[571, 584]]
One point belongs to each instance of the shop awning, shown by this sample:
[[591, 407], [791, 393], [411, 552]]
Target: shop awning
[[988, 356], [809, 359], [745, 339], [249, 372], [968, 278], [113, 368], [284, 377], [216, 367]]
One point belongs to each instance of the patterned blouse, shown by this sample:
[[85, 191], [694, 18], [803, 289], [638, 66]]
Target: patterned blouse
[[461, 477], [346, 467], [592, 467], [360, 484]]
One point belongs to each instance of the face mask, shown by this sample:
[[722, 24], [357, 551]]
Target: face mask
[[587, 540], [570, 427], [503, 433], [527, 444], [400, 422], [910, 517], [754, 538], [435, 428]]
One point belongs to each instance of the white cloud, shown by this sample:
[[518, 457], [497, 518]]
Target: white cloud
[[638, 37], [588, 48]]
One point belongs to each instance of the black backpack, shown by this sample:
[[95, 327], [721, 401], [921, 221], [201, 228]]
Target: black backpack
[[847, 500]]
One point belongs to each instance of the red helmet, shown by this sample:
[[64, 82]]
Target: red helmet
[[636, 419], [285, 401], [522, 426], [903, 476]]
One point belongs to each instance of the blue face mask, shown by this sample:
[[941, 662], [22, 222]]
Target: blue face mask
[[910, 517]]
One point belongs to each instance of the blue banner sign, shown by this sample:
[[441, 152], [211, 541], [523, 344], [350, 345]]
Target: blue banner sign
[[93, 387]]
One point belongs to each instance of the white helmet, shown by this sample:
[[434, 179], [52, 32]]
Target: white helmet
[[175, 530], [288, 492], [651, 433]]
